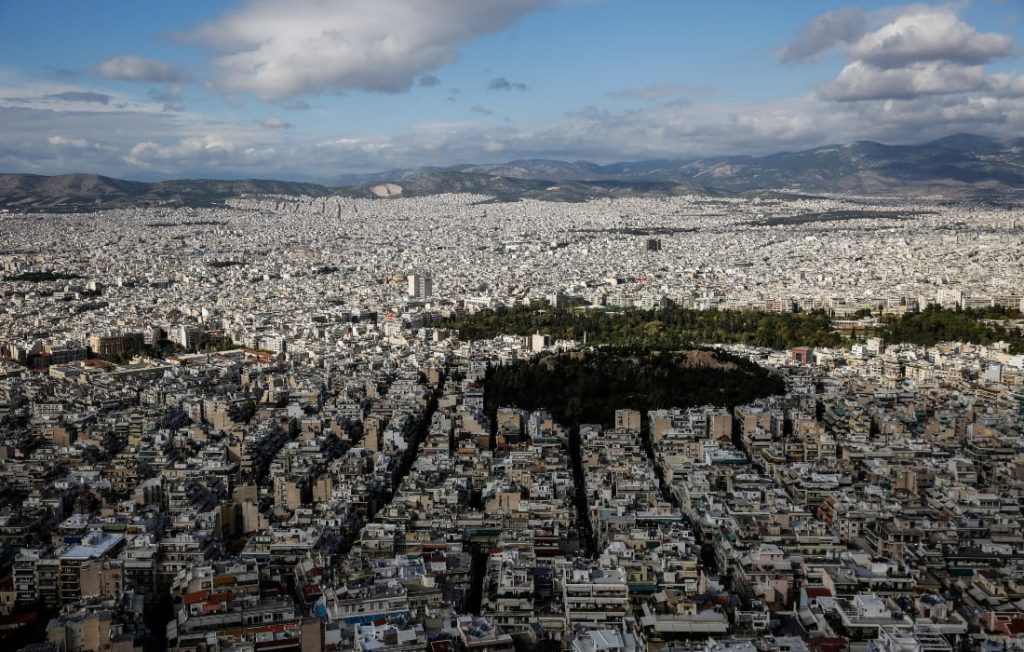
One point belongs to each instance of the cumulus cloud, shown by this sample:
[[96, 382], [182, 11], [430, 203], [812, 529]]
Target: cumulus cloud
[[825, 33], [1007, 84], [429, 81], [52, 129], [929, 36], [129, 67], [896, 36], [503, 84], [51, 140], [861, 81], [61, 141], [148, 151], [280, 50], [904, 52]]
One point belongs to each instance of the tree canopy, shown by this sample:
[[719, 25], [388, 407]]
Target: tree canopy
[[674, 328], [589, 387], [671, 327]]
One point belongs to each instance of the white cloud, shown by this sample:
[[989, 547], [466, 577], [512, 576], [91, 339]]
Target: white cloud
[[278, 50], [903, 53], [210, 155], [61, 141], [825, 33], [862, 81], [927, 36], [185, 147], [129, 67], [55, 128], [1008, 84]]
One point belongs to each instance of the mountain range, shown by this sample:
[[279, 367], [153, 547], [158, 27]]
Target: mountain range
[[957, 167]]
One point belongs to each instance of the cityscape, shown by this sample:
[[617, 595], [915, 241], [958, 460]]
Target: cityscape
[[626, 393], [261, 424]]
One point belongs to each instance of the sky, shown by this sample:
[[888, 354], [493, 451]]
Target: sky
[[316, 89]]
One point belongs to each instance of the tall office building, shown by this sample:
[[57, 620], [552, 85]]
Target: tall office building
[[421, 286]]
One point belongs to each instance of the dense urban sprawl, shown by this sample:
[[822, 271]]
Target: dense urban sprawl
[[257, 427]]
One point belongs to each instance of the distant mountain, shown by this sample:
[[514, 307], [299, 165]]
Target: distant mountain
[[957, 167], [85, 192], [418, 183], [960, 166]]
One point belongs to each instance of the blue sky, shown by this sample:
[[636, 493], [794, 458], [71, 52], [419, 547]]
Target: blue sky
[[311, 89]]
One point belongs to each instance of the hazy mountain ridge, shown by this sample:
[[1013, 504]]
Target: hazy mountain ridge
[[420, 183], [960, 166], [71, 192]]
